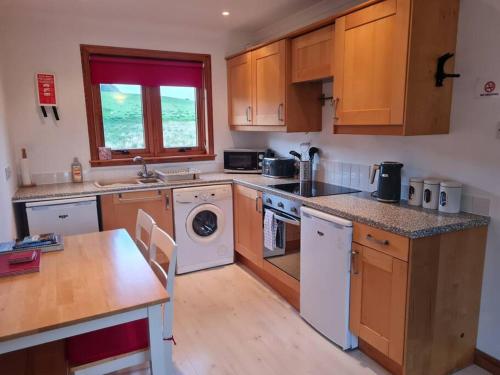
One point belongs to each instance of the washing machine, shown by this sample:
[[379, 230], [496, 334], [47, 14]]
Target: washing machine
[[203, 218]]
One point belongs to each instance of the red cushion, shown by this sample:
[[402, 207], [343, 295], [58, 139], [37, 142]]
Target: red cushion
[[108, 342]]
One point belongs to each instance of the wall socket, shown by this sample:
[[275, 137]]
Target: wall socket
[[8, 173]]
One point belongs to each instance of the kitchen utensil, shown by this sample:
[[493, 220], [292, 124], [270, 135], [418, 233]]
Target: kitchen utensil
[[304, 148], [415, 191], [313, 151], [296, 154], [450, 197], [389, 181], [431, 194]]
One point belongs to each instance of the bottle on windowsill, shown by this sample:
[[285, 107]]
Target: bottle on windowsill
[[76, 171]]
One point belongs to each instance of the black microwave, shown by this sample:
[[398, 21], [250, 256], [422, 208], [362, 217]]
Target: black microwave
[[241, 160]]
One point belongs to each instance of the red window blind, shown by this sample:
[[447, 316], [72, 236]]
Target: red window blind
[[145, 72]]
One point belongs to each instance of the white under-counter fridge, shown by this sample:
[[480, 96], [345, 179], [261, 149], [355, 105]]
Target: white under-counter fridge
[[325, 275], [63, 216]]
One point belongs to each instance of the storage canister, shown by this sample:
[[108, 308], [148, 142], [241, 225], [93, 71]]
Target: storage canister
[[415, 191], [450, 197], [431, 194]]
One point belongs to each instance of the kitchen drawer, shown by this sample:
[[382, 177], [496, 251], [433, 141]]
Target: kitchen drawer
[[389, 243]]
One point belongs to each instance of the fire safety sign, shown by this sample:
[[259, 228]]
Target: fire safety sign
[[46, 85]]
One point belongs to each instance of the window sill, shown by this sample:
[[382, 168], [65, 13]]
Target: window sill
[[152, 160]]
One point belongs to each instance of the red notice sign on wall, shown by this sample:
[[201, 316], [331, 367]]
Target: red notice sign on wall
[[46, 85]]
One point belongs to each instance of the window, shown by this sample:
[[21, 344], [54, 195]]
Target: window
[[122, 116], [150, 103], [179, 116]]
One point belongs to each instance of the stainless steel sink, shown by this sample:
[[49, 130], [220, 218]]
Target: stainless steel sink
[[126, 182]]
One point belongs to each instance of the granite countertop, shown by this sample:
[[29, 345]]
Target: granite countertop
[[412, 222]]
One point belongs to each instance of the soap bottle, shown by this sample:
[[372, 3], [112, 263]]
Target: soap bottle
[[76, 171]]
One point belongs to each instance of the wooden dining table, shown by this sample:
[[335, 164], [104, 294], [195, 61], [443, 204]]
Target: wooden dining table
[[99, 280]]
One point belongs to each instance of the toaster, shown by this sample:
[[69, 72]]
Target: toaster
[[278, 167]]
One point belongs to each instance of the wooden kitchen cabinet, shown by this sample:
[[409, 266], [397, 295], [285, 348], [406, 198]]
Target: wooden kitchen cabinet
[[275, 104], [248, 221], [239, 90], [120, 210], [385, 62], [268, 77], [378, 300], [414, 303], [312, 55]]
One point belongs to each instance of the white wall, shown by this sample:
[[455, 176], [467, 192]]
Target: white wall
[[7, 186], [470, 153], [45, 42]]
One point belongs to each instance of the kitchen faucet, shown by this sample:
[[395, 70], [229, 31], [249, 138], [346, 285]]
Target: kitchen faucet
[[144, 173]]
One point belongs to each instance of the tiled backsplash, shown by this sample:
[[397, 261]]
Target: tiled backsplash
[[357, 176]]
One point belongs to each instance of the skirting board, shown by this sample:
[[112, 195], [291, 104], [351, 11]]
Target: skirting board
[[487, 362]]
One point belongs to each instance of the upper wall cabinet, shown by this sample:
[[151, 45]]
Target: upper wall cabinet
[[385, 61], [239, 88], [312, 55], [268, 78], [261, 96]]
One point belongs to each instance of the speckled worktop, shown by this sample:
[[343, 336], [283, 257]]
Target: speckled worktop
[[397, 218]]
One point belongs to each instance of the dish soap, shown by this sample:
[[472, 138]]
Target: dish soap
[[76, 170]]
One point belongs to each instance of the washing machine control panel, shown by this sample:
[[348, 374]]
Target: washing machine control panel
[[202, 194], [205, 196]]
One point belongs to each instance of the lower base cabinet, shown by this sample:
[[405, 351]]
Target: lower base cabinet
[[378, 300], [248, 233], [120, 210], [415, 303]]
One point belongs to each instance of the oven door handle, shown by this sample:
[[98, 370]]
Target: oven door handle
[[287, 220]]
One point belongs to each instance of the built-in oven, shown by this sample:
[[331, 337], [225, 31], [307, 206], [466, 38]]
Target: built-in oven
[[282, 233], [243, 160]]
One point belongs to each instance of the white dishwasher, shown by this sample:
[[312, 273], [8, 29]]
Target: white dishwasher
[[325, 262], [63, 216]]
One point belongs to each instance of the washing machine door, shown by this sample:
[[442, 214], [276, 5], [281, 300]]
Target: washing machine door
[[205, 223]]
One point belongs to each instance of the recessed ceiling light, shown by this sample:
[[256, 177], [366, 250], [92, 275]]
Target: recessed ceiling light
[[225, 13]]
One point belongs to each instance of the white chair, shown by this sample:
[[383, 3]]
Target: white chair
[[162, 241], [126, 345], [144, 224]]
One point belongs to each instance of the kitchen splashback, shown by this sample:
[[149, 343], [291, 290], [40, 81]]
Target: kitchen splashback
[[356, 176]]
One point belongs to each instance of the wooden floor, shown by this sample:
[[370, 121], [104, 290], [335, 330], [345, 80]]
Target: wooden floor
[[228, 322]]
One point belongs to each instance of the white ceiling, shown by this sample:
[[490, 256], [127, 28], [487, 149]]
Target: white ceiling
[[246, 15]]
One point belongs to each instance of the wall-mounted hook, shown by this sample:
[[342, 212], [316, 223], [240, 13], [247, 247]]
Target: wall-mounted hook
[[441, 75], [323, 99]]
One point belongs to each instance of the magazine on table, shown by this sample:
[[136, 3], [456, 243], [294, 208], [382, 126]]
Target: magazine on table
[[46, 242]]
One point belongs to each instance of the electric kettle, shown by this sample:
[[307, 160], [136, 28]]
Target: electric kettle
[[389, 181]]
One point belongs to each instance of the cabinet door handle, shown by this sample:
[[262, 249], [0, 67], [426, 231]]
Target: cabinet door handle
[[369, 237], [257, 204], [354, 264], [280, 112], [167, 200], [335, 106], [249, 113]]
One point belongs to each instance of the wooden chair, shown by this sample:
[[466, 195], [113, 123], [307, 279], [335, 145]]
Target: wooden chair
[[126, 345], [144, 224]]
